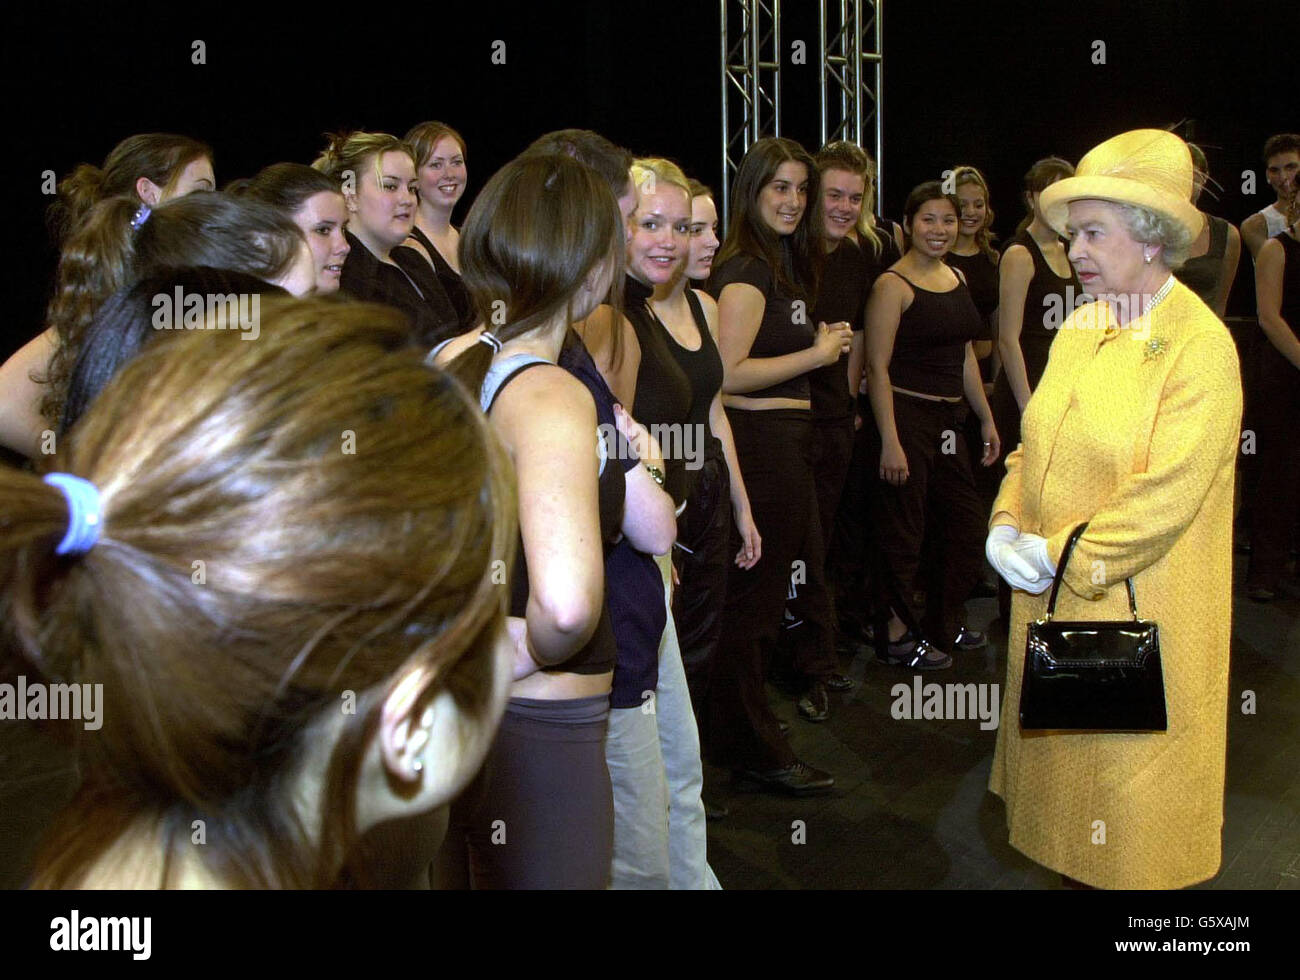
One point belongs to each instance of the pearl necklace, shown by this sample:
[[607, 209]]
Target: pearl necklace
[[1159, 296]]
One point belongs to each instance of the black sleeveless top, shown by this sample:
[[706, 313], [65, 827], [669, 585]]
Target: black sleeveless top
[[930, 345], [598, 654], [1202, 274], [1290, 282], [787, 325], [410, 286], [846, 283], [702, 366], [981, 278], [663, 398], [1048, 302], [451, 281]]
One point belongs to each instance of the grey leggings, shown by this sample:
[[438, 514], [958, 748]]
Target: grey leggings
[[541, 813]]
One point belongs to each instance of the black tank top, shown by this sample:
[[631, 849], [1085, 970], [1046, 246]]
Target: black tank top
[[1202, 274], [663, 398], [787, 325], [981, 278], [451, 281], [598, 654], [702, 366], [1048, 302], [930, 345]]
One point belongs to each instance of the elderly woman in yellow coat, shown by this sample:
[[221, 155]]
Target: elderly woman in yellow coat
[[1134, 429]]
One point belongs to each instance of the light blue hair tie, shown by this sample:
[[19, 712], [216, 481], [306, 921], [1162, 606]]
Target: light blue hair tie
[[141, 216], [84, 515], [489, 338]]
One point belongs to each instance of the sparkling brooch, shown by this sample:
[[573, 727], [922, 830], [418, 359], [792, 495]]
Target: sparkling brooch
[[1154, 348]]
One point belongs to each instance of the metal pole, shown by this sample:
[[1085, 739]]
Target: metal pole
[[880, 103], [821, 30], [726, 127], [776, 66]]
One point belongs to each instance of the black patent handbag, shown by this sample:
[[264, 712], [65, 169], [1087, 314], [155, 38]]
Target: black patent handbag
[[1092, 676]]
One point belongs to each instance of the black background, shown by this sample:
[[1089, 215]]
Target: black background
[[997, 85]]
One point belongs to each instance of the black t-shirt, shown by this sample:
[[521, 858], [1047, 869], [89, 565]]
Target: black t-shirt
[[787, 325], [843, 296]]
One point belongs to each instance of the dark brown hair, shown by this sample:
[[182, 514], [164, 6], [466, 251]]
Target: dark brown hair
[[749, 234], [610, 161], [158, 156], [326, 572], [536, 231], [287, 186], [1042, 175]]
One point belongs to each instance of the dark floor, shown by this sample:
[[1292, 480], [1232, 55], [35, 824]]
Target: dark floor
[[910, 809]]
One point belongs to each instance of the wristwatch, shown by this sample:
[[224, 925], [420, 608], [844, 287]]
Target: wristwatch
[[655, 472]]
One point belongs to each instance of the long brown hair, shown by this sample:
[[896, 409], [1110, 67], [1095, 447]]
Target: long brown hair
[[118, 241], [160, 157], [1042, 175], [327, 569], [540, 226], [749, 234]]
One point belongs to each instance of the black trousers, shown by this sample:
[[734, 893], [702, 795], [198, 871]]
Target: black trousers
[[810, 619], [702, 559], [940, 496], [1277, 451], [775, 453]]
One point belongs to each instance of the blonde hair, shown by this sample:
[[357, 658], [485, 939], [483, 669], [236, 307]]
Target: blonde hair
[[853, 159], [657, 171], [348, 152], [983, 237]]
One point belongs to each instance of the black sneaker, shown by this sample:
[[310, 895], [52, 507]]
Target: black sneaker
[[968, 639]]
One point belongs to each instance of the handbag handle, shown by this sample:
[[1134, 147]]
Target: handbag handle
[[1060, 574]]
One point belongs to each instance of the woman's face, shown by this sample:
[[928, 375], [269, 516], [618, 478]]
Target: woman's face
[[300, 278], [1106, 257], [704, 242], [196, 175], [443, 175], [933, 229], [661, 228], [784, 198], [974, 208], [321, 219], [842, 196], [383, 206]]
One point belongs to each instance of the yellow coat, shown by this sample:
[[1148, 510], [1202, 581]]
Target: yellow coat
[[1134, 430]]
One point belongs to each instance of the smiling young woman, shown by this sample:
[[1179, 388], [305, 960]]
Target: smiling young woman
[[442, 176], [923, 379], [765, 280]]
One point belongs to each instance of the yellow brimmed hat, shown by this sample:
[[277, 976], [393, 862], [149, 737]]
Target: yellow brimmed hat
[[1150, 168]]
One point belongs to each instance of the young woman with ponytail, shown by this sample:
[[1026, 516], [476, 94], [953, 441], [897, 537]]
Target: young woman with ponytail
[[117, 242], [301, 650], [149, 168], [539, 250]]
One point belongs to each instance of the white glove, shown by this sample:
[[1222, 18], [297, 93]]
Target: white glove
[[1001, 553], [1033, 549]]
